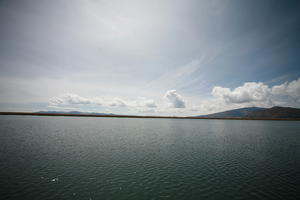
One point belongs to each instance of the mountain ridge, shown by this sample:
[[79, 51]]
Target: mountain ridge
[[276, 112], [240, 112]]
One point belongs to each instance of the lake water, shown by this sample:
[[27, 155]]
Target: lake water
[[110, 158]]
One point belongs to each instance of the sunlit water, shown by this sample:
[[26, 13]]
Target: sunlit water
[[111, 158]]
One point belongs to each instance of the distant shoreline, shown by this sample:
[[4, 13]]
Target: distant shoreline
[[138, 116]]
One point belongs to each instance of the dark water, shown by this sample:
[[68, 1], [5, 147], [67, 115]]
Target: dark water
[[110, 158]]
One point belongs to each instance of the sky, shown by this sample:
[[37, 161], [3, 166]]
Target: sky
[[158, 57]]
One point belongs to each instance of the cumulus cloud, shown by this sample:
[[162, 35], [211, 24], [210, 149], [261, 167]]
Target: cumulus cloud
[[249, 92], [118, 102], [257, 93], [291, 89], [138, 103], [174, 100], [69, 98]]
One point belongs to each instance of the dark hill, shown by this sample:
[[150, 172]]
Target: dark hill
[[241, 112], [276, 112]]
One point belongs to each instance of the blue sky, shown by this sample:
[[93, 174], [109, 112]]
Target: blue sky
[[148, 57]]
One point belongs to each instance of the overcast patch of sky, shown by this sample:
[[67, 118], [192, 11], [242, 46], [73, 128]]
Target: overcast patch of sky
[[144, 48]]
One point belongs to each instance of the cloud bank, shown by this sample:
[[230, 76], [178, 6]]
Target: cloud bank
[[291, 89], [74, 99], [69, 98], [249, 94], [258, 93], [118, 102]]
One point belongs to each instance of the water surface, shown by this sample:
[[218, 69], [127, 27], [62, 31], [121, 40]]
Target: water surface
[[111, 158]]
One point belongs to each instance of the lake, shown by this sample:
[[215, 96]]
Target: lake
[[118, 158]]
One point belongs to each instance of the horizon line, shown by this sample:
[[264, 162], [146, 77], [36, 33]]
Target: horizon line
[[139, 116]]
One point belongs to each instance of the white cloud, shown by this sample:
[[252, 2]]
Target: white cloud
[[138, 103], [250, 92], [143, 102], [97, 101], [150, 103], [174, 100], [118, 102], [69, 98], [257, 94], [291, 89], [247, 95]]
